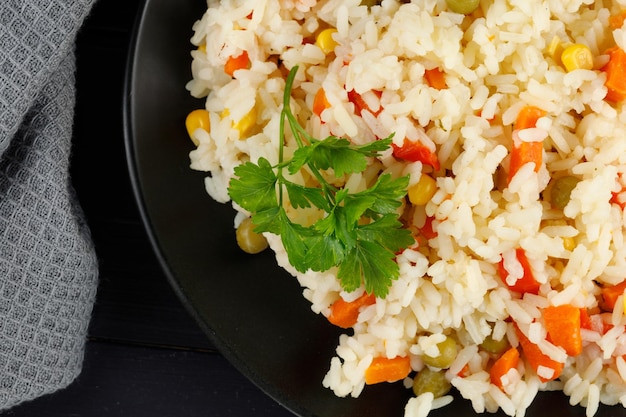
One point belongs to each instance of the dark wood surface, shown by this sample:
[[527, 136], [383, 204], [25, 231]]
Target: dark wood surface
[[145, 356]]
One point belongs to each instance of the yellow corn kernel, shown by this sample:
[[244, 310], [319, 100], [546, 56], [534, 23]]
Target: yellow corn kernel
[[202, 48], [197, 119], [577, 56], [569, 243], [325, 40], [245, 124], [555, 49], [423, 190]]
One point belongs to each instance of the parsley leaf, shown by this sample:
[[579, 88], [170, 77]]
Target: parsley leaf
[[378, 269], [337, 153], [304, 197], [255, 187], [359, 233]]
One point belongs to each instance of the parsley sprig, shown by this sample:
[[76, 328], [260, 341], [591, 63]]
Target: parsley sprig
[[359, 233]]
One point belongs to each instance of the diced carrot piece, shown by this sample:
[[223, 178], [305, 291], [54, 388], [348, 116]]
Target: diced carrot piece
[[416, 151], [436, 78], [563, 326], [360, 105], [320, 102], [480, 114], [427, 230], [525, 152], [536, 358], [527, 117], [616, 21], [615, 71], [527, 283], [345, 314], [503, 365], [234, 63], [387, 370], [610, 293], [601, 322], [605, 322], [617, 197], [585, 320]]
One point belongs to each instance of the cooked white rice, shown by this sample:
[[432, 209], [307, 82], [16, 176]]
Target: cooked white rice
[[496, 61]]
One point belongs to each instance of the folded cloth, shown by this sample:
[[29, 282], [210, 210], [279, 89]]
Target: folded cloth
[[48, 266]]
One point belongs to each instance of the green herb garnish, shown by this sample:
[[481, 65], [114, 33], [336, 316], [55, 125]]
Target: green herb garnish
[[359, 233]]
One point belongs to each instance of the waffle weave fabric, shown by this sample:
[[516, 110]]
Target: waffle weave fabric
[[48, 266]]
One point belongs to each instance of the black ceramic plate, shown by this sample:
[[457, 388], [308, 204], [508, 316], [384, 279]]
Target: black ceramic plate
[[251, 309]]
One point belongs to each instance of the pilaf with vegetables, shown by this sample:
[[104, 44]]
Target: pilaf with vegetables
[[445, 179]]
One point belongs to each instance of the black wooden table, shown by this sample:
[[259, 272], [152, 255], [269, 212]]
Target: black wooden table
[[145, 356]]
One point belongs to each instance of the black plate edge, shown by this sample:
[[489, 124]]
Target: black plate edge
[[222, 347]]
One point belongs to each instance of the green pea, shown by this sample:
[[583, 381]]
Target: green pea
[[447, 354], [428, 380], [561, 191], [494, 346], [463, 6], [248, 240]]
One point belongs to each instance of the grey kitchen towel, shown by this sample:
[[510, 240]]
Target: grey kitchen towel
[[48, 266]]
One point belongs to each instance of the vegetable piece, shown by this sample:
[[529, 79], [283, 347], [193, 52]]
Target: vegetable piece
[[616, 21], [561, 191], [246, 123], [465, 371], [248, 240], [234, 63], [527, 283], [563, 327], [577, 56], [509, 360], [325, 40], [387, 370], [527, 117], [360, 233], [360, 105], [615, 71], [320, 103], [555, 49], [427, 230], [423, 190], [428, 380], [436, 78], [416, 151], [569, 243], [447, 354], [585, 320], [619, 198], [610, 293], [524, 152], [546, 368], [197, 119], [492, 345], [463, 6], [345, 314]]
